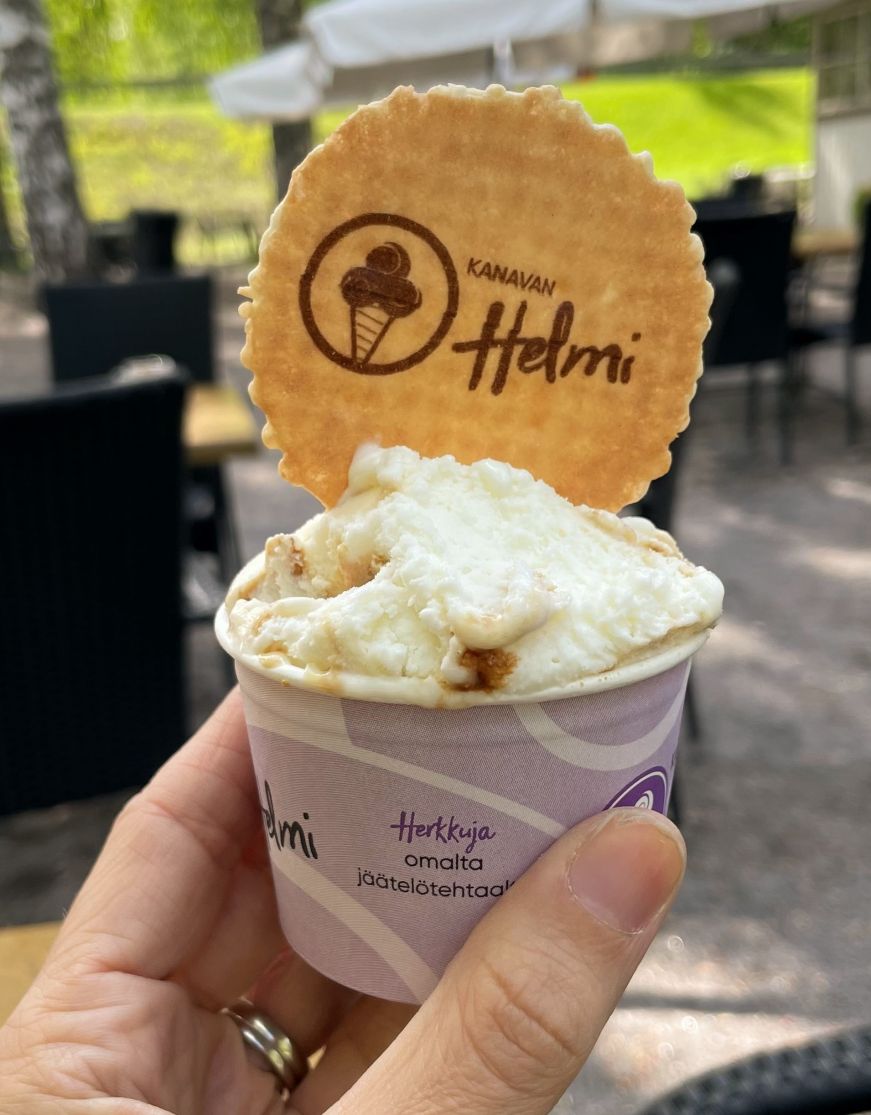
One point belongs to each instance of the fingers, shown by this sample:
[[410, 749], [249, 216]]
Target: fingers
[[244, 939], [159, 884], [309, 1008], [522, 1005], [359, 1040], [303, 1003]]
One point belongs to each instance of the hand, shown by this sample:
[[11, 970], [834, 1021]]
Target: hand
[[177, 920]]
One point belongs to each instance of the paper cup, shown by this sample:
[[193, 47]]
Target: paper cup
[[393, 828]]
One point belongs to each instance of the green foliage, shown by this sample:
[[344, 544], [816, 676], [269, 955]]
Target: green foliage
[[87, 40], [178, 37], [792, 37], [122, 40], [860, 202], [9, 189]]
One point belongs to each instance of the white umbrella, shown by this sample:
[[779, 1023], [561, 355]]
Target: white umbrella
[[282, 84], [367, 32], [293, 82], [354, 51]]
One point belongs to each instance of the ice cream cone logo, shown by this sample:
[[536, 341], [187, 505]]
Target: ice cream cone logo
[[377, 294], [362, 278]]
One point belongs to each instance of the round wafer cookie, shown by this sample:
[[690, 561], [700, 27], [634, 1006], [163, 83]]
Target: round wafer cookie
[[486, 274]]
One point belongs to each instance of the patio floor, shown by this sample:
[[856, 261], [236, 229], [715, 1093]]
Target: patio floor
[[768, 942]]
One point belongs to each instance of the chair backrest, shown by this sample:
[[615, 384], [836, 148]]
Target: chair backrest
[[759, 244], [93, 327], [733, 205], [725, 277], [860, 326], [829, 1076], [154, 232], [658, 503], [91, 694]]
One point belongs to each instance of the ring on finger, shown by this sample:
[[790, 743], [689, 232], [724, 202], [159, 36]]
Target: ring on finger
[[266, 1039]]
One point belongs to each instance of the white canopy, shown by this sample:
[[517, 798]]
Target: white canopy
[[352, 33], [293, 82], [354, 51]]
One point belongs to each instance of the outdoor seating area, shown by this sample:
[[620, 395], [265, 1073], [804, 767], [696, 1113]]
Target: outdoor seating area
[[134, 484]]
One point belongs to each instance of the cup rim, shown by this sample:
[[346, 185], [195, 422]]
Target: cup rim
[[428, 693]]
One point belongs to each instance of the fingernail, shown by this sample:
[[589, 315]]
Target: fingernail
[[627, 869]]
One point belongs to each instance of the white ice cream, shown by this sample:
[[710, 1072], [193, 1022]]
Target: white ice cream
[[462, 579]]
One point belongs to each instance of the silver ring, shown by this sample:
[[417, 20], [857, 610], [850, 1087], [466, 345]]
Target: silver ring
[[262, 1035]]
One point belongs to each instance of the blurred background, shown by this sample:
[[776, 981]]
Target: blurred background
[[143, 144]]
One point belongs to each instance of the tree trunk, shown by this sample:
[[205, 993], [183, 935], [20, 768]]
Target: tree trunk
[[279, 24], [55, 221], [292, 141]]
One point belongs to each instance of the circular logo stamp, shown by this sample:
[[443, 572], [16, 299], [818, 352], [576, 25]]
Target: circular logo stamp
[[379, 294], [648, 791]]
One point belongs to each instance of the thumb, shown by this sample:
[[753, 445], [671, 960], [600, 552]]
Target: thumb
[[519, 1009]]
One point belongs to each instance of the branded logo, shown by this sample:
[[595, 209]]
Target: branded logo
[[648, 791], [286, 834], [379, 294]]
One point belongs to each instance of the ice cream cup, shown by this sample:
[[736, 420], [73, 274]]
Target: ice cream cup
[[393, 828]]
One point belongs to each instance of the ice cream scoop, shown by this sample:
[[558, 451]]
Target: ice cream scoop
[[377, 294], [453, 582]]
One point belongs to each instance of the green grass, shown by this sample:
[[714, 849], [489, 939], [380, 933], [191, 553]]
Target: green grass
[[184, 156], [155, 151], [699, 128]]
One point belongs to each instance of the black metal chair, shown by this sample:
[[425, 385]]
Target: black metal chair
[[153, 238], [94, 327], [854, 333], [658, 503], [732, 204], [92, 689], [827, 1077], [759, 243]]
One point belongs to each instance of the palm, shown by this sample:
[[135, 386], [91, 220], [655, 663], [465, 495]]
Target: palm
[[190, 1063], [193, 1063]]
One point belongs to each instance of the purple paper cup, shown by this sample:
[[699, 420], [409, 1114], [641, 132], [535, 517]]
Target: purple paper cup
[[393, 828]]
